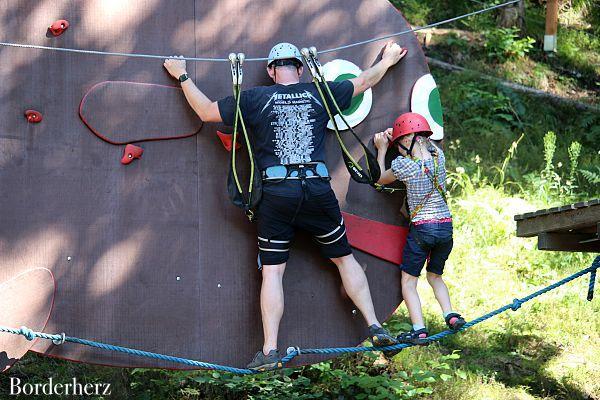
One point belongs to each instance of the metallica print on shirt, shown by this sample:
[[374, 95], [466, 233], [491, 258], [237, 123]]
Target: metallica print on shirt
[[287, 123]]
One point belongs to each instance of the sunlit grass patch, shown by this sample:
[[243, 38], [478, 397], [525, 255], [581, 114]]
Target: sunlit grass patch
[[548, 347]]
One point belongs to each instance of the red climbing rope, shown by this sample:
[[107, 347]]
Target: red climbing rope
[[107, 140]]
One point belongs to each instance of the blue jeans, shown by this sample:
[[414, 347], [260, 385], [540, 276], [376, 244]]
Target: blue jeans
[[433, 240]]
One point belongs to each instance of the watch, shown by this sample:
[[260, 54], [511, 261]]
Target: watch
[[183, 78]]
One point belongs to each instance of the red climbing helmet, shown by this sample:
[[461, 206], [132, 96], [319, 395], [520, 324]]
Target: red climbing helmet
[[409, 123]]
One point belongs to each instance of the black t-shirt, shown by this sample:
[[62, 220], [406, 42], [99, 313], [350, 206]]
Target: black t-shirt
[[287, 125]]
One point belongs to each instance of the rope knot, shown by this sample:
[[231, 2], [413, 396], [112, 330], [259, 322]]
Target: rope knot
[[60, 340], [28, 333], [516, 304]]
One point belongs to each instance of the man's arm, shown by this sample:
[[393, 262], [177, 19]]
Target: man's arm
[[369, 78], [207, 110]]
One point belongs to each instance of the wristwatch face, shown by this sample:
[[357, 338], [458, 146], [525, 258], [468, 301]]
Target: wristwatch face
[[183, 78]]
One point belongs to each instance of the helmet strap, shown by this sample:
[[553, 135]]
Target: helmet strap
[[284, 63], [412, 145]]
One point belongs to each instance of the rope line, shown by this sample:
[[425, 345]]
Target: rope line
[[293, 352], [208, 59]]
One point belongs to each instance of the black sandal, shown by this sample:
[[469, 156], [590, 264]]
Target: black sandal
[[455, 321], [414, 337]]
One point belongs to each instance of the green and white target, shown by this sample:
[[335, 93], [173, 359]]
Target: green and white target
[[425, 100], [339, 70]]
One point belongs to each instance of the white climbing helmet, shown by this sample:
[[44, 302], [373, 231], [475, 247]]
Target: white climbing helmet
[[284, 51]]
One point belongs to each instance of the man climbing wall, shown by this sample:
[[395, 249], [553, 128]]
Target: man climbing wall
[[288, 125]]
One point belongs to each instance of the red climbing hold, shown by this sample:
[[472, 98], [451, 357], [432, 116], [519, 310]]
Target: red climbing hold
[[226, 139], [131, 153], [33, 116], [58, 27]]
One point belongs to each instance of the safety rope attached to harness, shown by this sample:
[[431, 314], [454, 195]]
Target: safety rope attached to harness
[[250, 199], [371, 174]]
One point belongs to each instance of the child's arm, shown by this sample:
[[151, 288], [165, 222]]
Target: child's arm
[[381, 140]]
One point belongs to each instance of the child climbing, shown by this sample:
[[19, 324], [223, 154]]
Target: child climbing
[[421, 166]]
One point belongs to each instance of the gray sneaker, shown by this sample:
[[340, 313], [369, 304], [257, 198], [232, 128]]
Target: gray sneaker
[[262, 362], [380, 337]]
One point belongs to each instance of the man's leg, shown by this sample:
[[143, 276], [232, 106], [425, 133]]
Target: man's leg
[[271, 304], [356, 286]]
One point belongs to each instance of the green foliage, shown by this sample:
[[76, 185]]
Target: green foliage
[[550, 185], [352, 377], [504, 43], [483, 120], [574, 153], [593, 176], [510, 154], [579, 51], [416, 11], [457, 42], [488, 109]]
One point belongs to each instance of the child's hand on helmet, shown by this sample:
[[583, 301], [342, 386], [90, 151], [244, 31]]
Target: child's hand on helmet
[[382, 139]]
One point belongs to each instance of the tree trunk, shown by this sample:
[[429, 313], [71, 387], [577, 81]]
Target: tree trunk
[[513, 16]]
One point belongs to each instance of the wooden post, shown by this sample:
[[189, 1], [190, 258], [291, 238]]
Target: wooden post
[[551, 25]]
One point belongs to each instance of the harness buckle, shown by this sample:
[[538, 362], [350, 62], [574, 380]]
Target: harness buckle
[[296, 172], [240, 58], [309, 60], [234, 71]]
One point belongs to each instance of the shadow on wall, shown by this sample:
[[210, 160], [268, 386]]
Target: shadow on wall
[[128, 241]]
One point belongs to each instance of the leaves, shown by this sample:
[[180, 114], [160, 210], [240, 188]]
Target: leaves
[[504, 44]]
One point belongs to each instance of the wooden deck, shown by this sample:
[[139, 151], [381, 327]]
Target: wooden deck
[[574, 227]]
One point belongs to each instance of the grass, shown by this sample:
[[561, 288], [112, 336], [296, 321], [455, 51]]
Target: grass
[[548, 349]]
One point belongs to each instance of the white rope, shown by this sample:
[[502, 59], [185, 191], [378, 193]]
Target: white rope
[[205, 59]]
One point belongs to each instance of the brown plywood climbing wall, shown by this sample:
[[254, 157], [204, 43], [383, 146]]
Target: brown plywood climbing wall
[[152, 255]]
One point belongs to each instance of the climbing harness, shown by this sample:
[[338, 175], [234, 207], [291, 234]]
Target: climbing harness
[[436, 186], [209, 59], [279, 173], [371, 174], [292, 352], [299, 172], [249, 199]]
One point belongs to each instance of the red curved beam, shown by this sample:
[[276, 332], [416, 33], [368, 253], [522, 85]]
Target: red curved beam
[[376, 238]]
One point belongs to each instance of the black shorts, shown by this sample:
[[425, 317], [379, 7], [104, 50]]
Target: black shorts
[[319, 215], [432, 242]]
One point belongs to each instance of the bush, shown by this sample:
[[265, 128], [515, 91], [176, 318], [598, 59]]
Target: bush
[[504, 44], [350, 377]]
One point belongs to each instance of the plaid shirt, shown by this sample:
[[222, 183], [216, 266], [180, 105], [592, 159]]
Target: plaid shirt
[[418, 184]]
